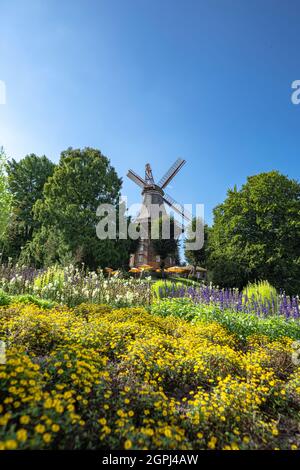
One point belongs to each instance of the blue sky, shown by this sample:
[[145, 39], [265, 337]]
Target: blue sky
[[154, 80]]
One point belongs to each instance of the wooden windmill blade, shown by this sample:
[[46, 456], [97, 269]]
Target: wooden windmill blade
[[165, 180], [177, 207], [136, 179]]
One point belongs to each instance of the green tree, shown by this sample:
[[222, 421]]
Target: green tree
[[5, 196], [26, 179], [256, 234], [82, 181], [162, 246], [46, 248], [196, 257]]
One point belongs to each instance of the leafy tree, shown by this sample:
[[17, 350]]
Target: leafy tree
[[5, 196], [162, 246], [82, 181], [26, 179], [256, 234], [46, 248], [196, 257]]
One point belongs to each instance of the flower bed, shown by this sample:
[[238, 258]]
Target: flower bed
[[93, 377]]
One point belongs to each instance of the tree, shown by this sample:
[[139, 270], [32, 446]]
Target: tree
[[5, 196], [46, 248], [196, 257], [256, 234], [26, 179], [82, 181], [162, 246]]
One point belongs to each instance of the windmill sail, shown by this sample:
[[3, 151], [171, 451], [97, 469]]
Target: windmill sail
[[177, 207], [165, 180], [136, 179]]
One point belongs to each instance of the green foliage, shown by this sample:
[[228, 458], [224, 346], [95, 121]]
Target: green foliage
[[47, 248], [181, 308], [6, 299], [5, 196], [26, 179], [33, 300], [82, 181], [256, 234], [197, 257]]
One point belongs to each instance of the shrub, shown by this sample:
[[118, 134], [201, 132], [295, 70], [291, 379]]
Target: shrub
[[33, 299], [4, 298]]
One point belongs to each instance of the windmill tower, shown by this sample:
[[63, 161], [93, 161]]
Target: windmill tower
[[154, 196]]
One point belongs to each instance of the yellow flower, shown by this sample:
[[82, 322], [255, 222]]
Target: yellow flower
[[40, 428], [55, 427], [11, 445], [24, 419], [47, 437], [128, 444], [212, 442], [234, 446], [22, 435]]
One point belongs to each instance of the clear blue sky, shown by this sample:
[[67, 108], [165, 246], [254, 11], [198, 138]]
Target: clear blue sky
[[151, 80]]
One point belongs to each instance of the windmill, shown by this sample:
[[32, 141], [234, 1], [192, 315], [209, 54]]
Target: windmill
[[154, 196]]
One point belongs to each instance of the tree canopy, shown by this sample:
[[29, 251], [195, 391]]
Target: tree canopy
[[26, 179], [196, 257], [82, 181], [5, 196], [256, 234]]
